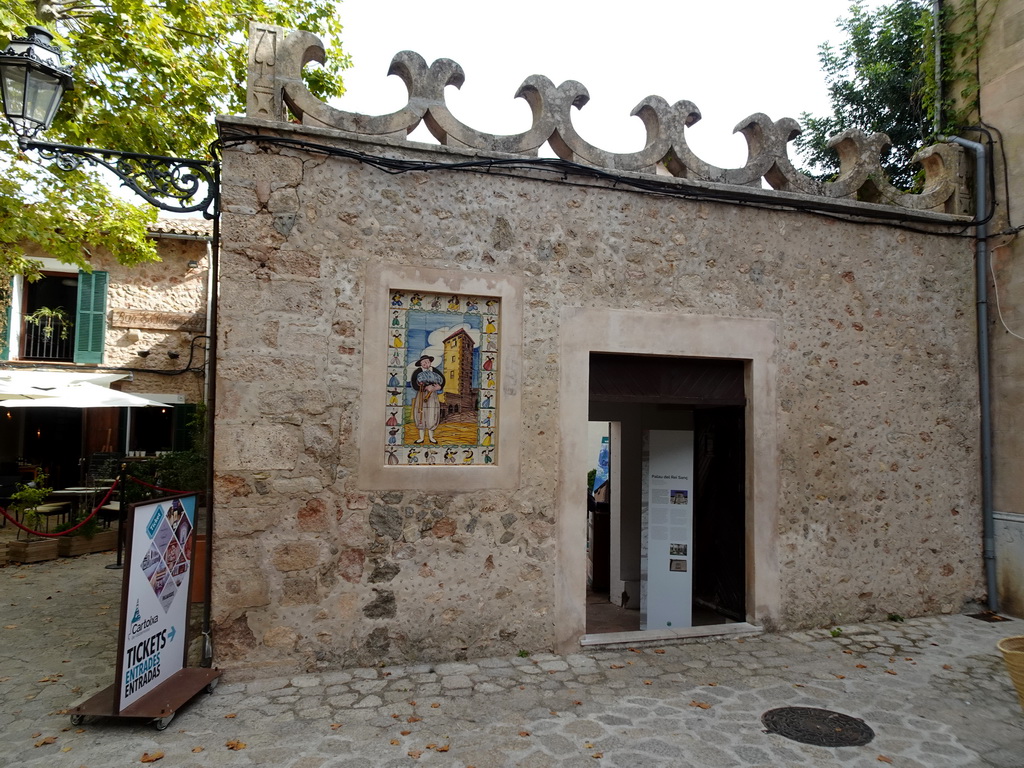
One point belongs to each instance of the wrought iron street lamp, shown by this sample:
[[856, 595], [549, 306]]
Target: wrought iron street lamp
[[33, 80]]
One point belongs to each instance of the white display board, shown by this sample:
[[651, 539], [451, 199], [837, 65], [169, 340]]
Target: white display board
[[669, 529], [158, 570]]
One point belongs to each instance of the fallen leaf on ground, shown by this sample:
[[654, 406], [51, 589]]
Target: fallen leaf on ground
[[577, 703], [862, 666], [50, 679], [10, 626], [553, 713], [659, 650], [80, 730], [415, 753], [37, 734], [648, 682], [635, 650], [524, 733], [395, 742], [335, 726], [198, 749], [597, 755], [235, 744], [444, 748], [233, 714], [435, 705], [947, 666], [712, 684], [890, 671], [701, 704], [884, 759], [798, 685], [151, 758], [840, 677], [413, 719], [405, 733], [65, 749], [588, 745], [395, 716], [46, 740], [618, 666], [431, 745], [412, 703]]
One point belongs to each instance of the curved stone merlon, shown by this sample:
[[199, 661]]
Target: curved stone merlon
[[275, 88]]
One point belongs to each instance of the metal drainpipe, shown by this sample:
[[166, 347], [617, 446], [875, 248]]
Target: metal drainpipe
[[981, 294], [937, 49]]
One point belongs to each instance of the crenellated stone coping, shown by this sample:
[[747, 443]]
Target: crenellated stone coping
[[277, 57]]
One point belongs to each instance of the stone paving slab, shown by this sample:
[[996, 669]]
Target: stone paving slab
[[934, 690]]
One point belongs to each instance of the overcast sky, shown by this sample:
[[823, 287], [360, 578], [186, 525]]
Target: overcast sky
[[730, 57]]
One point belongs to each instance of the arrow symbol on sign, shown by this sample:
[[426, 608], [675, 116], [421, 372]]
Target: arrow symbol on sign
[[172, 633]]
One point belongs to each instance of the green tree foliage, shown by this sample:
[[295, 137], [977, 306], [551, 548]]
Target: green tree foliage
[[150, 75], [880, 79]]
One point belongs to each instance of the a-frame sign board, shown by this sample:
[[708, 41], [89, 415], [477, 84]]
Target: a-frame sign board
[[152, 680]]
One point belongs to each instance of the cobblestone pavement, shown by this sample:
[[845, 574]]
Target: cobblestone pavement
[[934, 690]]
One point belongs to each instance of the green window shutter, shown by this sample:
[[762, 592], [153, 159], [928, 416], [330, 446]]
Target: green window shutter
[[91, 319], [5, 352]]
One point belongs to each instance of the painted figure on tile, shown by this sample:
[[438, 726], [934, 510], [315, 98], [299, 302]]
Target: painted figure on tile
[[393, 436], [426, 408], [471, 305], [467, 456], [488, 437], [449, 455], [396, 299], [414, 456], [396, 319], [393, 396], [429, 455], [416, 301], [392, 458], [396, 341], [485, 420], [492, 345], [394, 381], [489, 456], [392, 419], [487, 401], [454, 304], [396, 358], [436, 304], [489, 363], [490, 327], [490, 381]]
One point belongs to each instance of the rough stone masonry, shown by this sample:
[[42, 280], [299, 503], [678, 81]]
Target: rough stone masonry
[[866, 505]]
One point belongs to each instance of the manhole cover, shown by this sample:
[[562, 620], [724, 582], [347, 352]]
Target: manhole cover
[[821, 727]]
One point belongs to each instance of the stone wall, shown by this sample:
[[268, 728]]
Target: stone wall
[[870, 383]]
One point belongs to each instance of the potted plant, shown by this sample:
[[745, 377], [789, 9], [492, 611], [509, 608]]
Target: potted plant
[[49, 320], [26, 502], [85, 540]]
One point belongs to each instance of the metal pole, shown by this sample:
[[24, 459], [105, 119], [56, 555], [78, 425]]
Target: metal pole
[[984, 386]]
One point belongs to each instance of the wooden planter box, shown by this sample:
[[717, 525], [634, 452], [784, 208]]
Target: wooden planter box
[[69, 546], [32, 551]]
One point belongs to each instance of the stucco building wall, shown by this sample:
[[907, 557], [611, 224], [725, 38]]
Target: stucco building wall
[[861, 395]]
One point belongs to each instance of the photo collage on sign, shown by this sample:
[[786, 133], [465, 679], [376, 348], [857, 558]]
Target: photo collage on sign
[[167, 561], [442, 380]]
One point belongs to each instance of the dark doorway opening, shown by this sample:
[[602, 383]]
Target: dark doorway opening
[[636, 394]]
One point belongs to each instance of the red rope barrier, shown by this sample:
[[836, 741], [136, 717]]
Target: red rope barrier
[[155, 487], [71, 530]]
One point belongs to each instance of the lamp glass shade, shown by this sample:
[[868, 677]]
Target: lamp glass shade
[[32, 82]]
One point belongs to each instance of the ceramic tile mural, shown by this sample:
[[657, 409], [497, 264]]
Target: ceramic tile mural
[[441, 395]]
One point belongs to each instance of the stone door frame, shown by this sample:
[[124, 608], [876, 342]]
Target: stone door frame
[[585, 330]]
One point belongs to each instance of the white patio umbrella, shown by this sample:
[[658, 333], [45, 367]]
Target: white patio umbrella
[[83, 395], [16, 384]]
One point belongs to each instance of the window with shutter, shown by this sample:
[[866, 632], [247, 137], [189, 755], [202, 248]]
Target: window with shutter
[[91, 325]]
